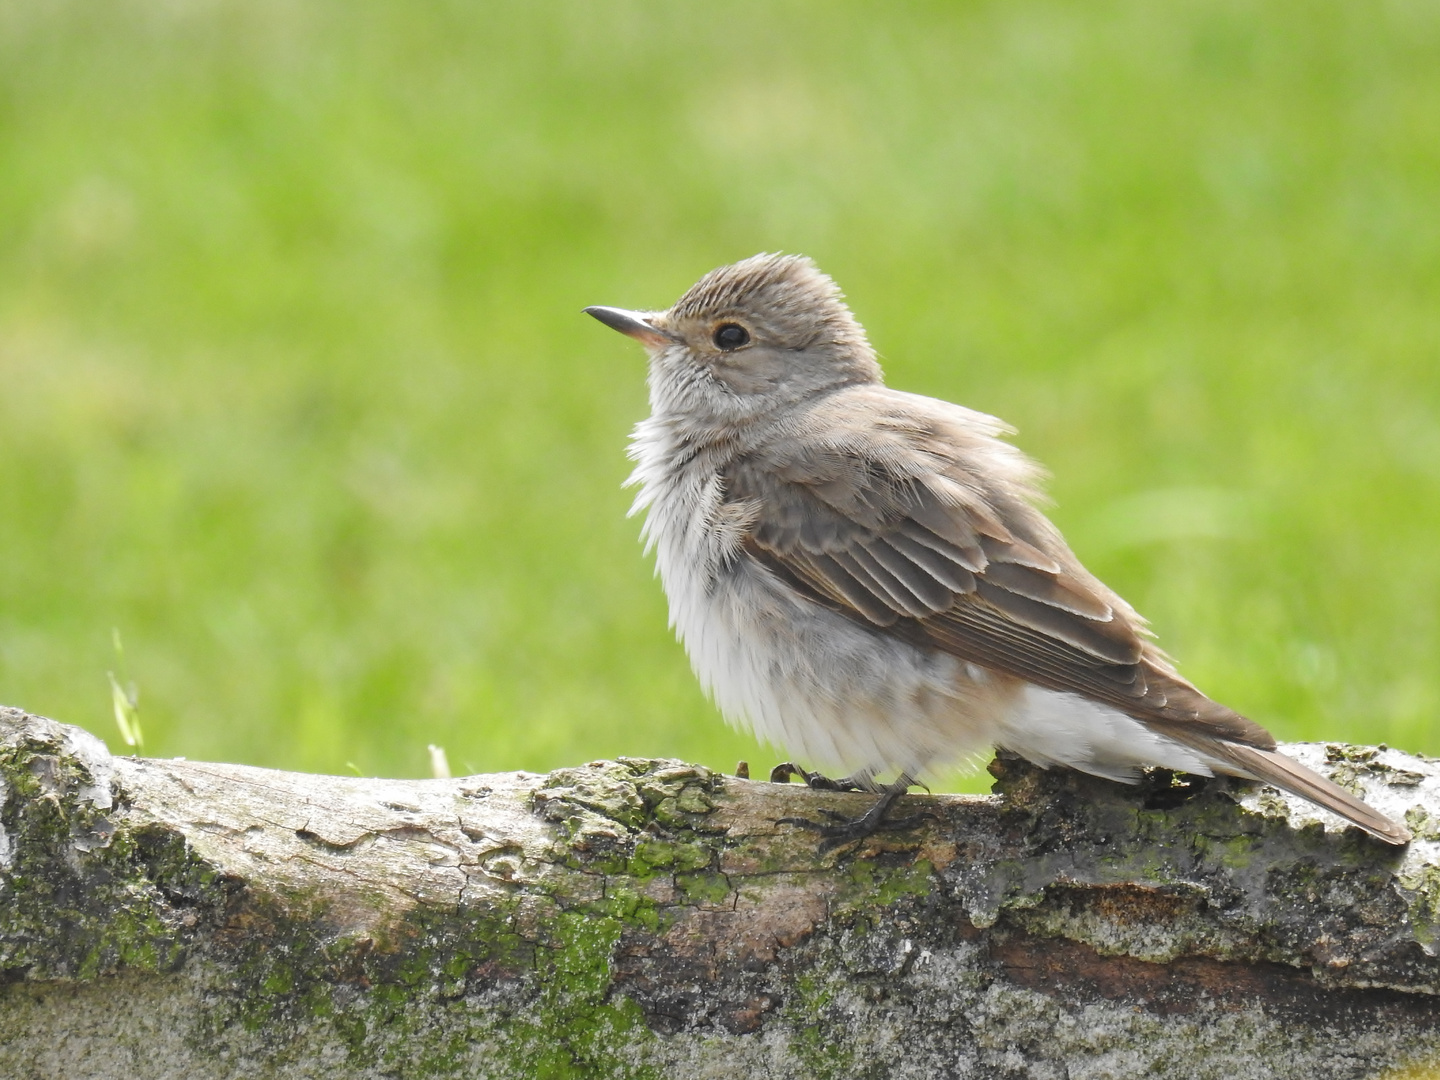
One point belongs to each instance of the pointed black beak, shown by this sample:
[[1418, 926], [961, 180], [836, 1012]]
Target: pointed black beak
[[633, 323]]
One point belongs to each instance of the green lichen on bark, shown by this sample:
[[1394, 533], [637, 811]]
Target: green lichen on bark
[[86, 893], [1204, 877]]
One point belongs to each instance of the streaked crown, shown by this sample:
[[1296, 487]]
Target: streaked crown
[[787, 294]]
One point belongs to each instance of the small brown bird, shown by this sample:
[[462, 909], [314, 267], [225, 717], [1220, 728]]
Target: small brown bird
[[860, 575]]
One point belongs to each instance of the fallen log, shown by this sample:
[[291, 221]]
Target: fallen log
[[654, 918]]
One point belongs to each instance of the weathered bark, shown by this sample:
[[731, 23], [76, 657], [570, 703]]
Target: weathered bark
[[630, 918]]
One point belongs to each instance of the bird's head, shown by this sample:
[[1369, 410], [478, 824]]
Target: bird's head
[[747, 339]]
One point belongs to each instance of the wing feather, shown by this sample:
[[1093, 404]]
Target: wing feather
[[1017, 552], [972, 557], [948, 571], [841, 580], [1111, 642], [1051, 588], [926, 587]]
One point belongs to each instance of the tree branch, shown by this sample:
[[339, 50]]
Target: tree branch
[[630, 918]]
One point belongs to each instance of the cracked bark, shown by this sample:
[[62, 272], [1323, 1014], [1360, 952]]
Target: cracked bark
[[634, 918]]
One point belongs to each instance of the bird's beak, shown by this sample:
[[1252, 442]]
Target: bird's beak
[[633, 323]]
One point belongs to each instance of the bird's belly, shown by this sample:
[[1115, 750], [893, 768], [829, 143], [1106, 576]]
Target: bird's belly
[[835, 695]]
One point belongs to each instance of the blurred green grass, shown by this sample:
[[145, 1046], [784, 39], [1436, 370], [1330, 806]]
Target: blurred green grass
[[296, 394]]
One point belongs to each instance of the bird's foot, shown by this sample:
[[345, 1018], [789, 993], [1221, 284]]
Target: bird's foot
[[841, 830]]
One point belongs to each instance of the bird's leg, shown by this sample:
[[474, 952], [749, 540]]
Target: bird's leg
[[861, 781], [841, 830]]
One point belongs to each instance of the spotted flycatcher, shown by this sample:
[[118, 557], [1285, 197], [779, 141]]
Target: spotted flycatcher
[[860, 575]]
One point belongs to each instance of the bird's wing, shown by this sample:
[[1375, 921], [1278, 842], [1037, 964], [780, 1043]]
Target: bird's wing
[[911, 517]]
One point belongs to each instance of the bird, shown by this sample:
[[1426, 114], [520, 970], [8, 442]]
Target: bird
[[863, 576]]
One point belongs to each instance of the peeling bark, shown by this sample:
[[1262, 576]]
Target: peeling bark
[[652, 918]]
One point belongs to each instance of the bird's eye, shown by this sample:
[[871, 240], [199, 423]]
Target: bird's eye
[[730, 336]]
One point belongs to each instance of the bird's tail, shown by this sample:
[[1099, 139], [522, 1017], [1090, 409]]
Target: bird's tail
[[1273, 767]]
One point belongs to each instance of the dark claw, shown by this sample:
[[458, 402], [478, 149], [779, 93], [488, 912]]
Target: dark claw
[[782, 773]]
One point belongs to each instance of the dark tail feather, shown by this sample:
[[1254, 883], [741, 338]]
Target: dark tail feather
[[1273, 767]]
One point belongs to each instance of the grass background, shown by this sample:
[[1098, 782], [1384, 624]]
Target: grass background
[[295, 391]]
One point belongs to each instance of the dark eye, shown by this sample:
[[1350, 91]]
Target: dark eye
[[730, 336]]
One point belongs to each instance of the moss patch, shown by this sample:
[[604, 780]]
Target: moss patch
[[88, 893]]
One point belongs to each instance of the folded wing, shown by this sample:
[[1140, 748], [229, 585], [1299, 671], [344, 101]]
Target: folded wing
[[924, 529]]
